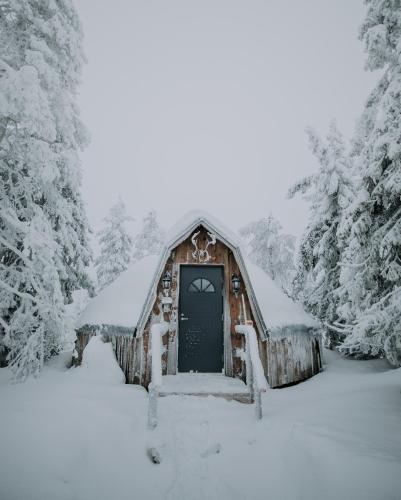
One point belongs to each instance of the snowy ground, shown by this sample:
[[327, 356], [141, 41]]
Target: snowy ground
[[70, 435]]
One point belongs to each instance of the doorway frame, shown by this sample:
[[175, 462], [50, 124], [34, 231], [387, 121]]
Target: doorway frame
[[226, 320]]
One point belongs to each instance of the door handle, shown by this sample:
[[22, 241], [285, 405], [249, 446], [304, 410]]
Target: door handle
[[184, 319]]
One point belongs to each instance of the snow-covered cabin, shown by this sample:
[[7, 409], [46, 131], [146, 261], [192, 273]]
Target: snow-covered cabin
[[202, 286]]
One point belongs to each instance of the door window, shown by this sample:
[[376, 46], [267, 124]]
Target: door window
[[201, 285]]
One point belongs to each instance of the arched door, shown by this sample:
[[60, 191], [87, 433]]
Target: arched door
[[200, 316]]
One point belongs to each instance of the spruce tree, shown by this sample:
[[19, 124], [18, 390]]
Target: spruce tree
[[271, 249], [370, 295], [151, 238], [115, 246], [329, 192], [44, 251]]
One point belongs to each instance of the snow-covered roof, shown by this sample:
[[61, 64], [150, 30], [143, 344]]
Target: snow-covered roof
[[129, 299], [121, 302], [277, 309], [191, 220]]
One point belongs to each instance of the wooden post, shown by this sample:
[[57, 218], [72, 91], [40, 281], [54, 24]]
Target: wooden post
[[258, 404], [249, 371], [157, 330], [152, 407], [248, 360]]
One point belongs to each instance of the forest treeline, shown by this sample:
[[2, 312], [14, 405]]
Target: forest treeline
[[349, 262], [347, 270]]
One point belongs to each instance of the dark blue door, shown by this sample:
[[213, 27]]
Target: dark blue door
[[200, 341]]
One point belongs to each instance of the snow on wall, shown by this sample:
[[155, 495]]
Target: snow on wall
[[251, 338], [157, 330], [121, 302]]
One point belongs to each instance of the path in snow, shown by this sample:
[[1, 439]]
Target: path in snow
[[68, 436]]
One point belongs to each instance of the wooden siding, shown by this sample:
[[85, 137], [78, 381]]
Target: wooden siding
[[285, 360], [126, 348], [293, 357], [220, 255]]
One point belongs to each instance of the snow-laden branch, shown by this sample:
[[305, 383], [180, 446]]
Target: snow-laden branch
[[353, 266], [5, 325], [344, 329], [22, 295], [392, 220]]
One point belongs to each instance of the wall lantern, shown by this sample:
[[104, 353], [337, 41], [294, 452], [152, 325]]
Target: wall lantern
[[236, 283], [166, 280]]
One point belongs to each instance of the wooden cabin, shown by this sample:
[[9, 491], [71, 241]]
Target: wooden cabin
[[202, 287]]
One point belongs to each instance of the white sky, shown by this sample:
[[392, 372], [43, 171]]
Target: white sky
[[203, 104]]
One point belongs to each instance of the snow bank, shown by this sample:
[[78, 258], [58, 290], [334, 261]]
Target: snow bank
[[121, 303], [336, 437], [100, 364], [277, 309]]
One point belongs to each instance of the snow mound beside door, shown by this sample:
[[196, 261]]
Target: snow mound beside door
[[99, 363]]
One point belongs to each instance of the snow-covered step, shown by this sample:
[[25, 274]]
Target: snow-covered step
[[205, 384]]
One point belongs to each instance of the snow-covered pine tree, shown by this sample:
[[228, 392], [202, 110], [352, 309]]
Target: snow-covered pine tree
[[271, 249], [151, 238], [44, 251], [371, 265], [115, 245], [329, 192]]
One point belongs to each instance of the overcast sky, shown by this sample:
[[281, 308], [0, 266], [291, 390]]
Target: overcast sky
[[204, 104]]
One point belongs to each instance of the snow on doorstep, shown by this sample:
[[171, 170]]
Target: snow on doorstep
[[202, 383], [121, 302], [277, 309]]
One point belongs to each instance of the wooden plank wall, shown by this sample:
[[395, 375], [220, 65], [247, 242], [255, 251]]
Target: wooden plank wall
[[292, 357], [82, 340], [220, 254], [285, 360]]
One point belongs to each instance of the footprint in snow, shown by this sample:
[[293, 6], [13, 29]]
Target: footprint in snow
[[154, 455]]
